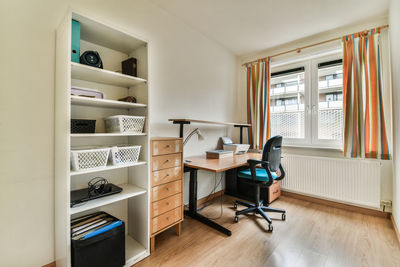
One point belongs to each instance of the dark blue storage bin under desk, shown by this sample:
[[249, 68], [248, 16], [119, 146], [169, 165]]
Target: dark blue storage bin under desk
[[105, 249]]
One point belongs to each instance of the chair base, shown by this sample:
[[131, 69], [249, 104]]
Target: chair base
[[258, 209]]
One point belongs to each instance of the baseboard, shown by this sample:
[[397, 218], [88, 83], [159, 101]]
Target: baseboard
[[52, 264], [337, 205], [203, 200], [395, 228]]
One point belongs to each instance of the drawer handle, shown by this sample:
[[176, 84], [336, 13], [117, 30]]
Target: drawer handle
[[167, 175], [167, 161], [167, 188], [168, 146], [168, 204], [167, 218]]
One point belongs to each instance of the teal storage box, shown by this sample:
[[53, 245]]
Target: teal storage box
[[75, 41]]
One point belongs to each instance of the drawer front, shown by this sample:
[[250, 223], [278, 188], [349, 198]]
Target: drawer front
[[167, 161], [166, 147], [274, 191], [166, 176], [166, 190], [167, 204], [166, 219]]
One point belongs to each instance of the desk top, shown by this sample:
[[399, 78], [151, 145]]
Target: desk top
[[220, 165]]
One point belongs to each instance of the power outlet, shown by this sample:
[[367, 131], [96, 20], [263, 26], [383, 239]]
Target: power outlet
[[386, 203]]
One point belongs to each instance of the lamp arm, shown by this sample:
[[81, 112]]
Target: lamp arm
[[189, 136]]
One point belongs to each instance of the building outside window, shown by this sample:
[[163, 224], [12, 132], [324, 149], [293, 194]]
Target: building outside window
[[306, 102]]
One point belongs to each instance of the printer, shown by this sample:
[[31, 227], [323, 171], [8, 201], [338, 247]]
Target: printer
[[236, 148]]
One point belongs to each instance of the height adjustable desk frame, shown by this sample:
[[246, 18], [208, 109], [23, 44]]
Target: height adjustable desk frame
[[208, 165], [212, 165], [182, 122]]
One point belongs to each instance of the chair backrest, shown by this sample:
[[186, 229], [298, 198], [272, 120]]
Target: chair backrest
[[272, 153]]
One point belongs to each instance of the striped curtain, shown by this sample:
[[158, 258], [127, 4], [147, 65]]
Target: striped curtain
[[258, 83], [364, 121]]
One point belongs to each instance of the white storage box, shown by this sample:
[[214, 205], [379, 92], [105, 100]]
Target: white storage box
[[237, 148], [123, 154], [89, 158], [124, 124]]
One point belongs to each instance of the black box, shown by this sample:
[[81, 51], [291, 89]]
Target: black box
[[129, 67], [237, 187], [83, 126], [104, 250]]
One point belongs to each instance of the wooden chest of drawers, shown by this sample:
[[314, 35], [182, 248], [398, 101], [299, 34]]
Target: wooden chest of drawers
[[166, 194]]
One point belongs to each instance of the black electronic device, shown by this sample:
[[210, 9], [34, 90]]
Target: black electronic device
[[91, 58], [97, 187], [83, 126], [129, 67]]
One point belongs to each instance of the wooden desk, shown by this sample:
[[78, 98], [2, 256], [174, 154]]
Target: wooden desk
[[220, 165], [213, 165]]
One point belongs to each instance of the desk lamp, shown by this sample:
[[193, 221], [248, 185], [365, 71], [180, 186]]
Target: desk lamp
[[195, 131]]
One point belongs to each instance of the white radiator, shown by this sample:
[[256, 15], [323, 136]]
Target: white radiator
[[352, 181]]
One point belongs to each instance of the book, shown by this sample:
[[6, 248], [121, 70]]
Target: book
[[218, 154]]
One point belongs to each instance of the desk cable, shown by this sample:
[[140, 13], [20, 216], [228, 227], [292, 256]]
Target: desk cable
[[213, 193]]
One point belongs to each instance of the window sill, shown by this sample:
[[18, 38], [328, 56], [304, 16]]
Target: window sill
[[314, 147]]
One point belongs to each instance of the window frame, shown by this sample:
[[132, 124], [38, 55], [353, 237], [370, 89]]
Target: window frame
[[315, 102], [311, 95], [306, 64]]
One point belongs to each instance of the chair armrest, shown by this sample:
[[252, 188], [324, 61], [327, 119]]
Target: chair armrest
[[253, 163], [282, 171]]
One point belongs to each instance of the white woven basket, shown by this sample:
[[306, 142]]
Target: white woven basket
[[124, 124], [124, 154], [89, 158]]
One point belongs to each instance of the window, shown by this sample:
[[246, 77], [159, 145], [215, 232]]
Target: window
[[306, 102], [287, 103]]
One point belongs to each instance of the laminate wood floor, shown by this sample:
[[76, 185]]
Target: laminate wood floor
[[312, 235]]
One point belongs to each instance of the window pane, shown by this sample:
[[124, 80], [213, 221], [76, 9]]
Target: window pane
[[287, 105], [330, 103]]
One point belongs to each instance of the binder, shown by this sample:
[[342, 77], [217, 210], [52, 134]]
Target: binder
[[75, 41]]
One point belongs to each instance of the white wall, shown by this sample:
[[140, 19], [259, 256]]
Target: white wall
[[394, 20], [190, 76]]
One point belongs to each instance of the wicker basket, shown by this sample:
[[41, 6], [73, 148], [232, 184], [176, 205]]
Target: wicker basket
[[123, 154], [89, 158], [124, 124]]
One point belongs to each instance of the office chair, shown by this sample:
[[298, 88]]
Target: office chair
[[263, 177]]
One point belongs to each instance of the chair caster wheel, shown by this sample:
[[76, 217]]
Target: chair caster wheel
[[270, 228], [236, 219], [283, 217], [235, 206]]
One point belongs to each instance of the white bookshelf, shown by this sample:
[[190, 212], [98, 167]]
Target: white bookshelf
[[132, 204]]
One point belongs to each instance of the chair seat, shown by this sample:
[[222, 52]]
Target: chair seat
[[261, 174]]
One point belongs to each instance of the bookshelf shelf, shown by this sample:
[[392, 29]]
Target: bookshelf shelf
[[92, 74], [128, 191], [105, 103], [107, 134], [109, 167]]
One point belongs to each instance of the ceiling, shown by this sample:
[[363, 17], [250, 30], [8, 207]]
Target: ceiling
[[247, 26]]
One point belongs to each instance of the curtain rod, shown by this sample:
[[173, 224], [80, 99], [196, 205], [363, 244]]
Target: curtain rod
[[298, 50]]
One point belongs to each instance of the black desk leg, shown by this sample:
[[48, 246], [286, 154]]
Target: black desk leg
[[192, 212]]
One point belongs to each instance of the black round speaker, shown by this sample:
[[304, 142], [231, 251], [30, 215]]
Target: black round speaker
[[91, 58]]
